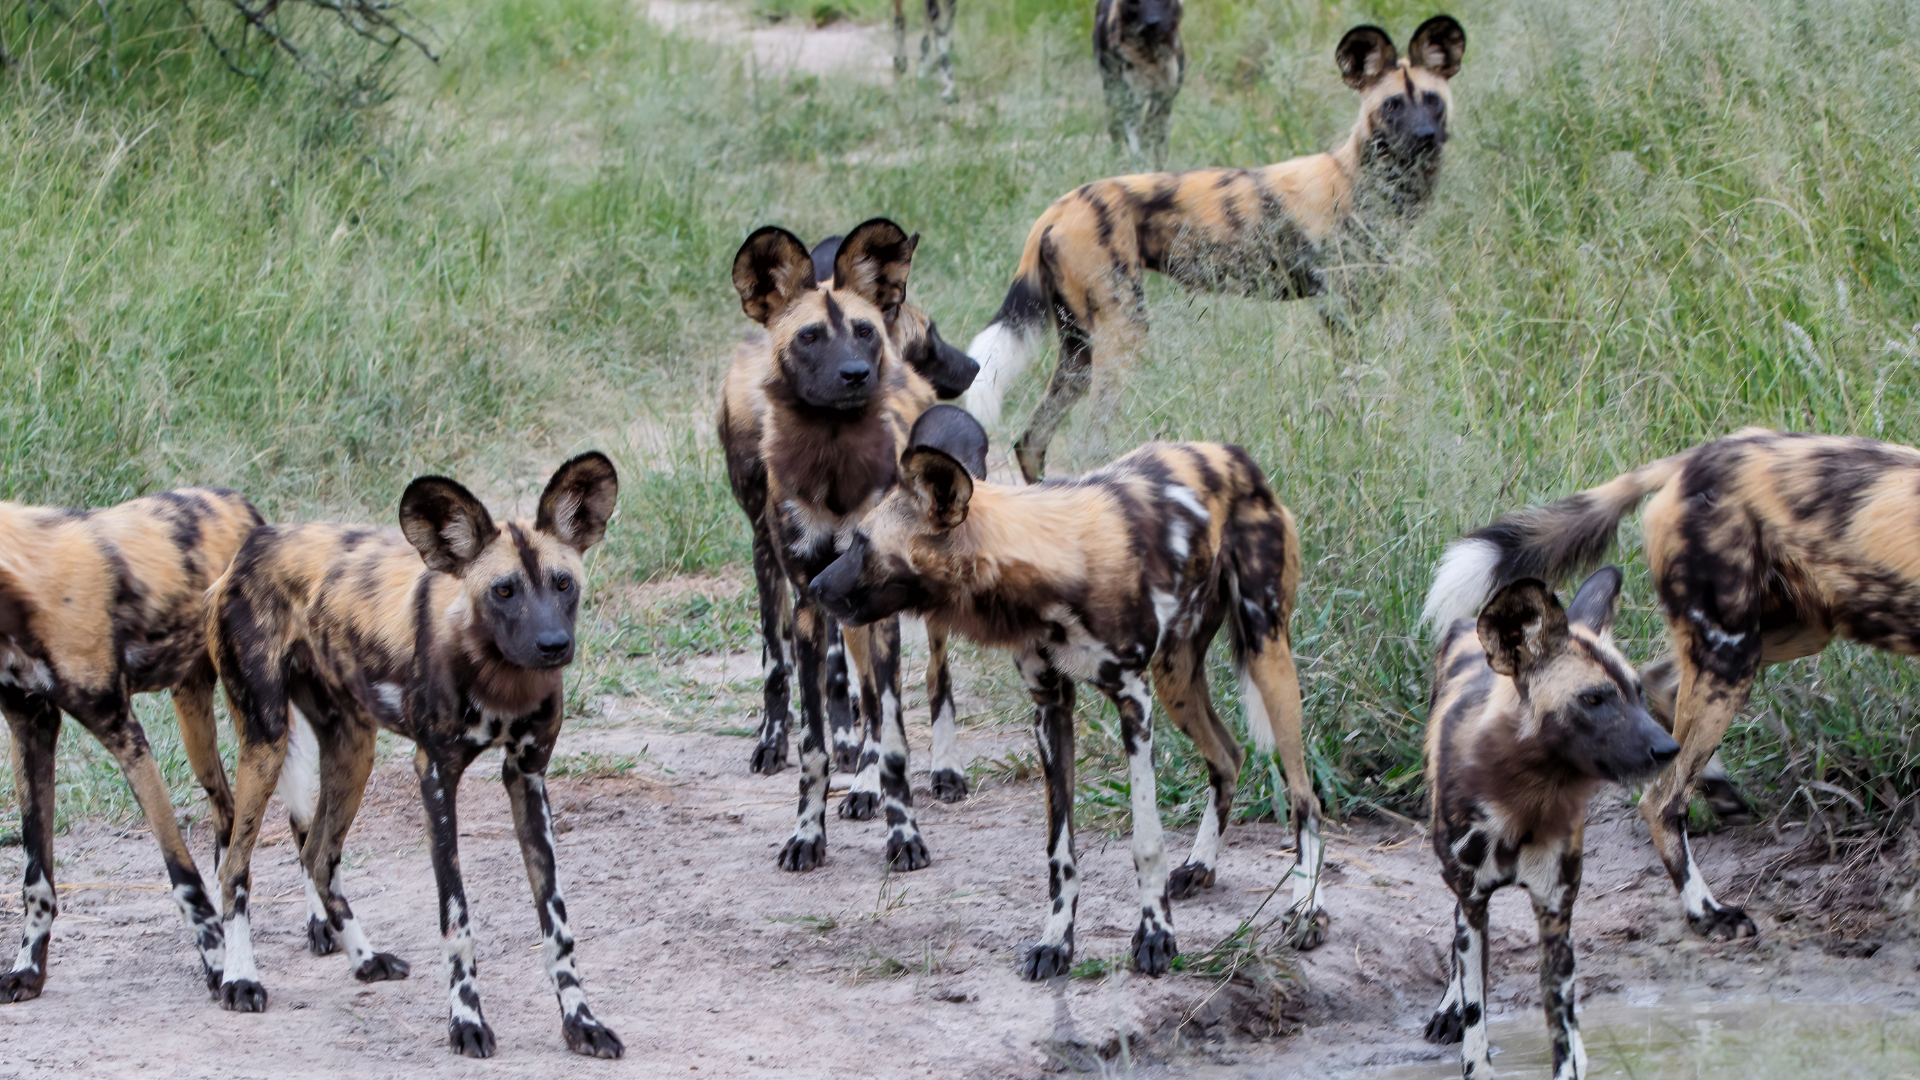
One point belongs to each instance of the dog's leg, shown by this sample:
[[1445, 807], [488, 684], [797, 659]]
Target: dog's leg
[[1181, 683], [1072, 377], [1661, 680], [199, 736], [1553, 909], [1446, 1025], [1120, 104], [346, 761], [1276, 686], [863, 795], [523, 773], [263, 749], [899, 37], [439, 770], [776, 651], [807, 847], [940, 18], [1052, 694], [35, 724], [949, 769], [906, 848], [299, 791], [843, 714], [1470, 955], [1153, 943]]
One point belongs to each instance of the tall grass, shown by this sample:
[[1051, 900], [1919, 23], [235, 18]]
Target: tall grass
[[1657, 223]]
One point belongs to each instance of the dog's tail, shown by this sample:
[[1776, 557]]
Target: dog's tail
[[1545, 542], [1006, 346], [1262, 579]]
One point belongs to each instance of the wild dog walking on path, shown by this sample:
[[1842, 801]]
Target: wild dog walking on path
[[342, 629], [1265, 232], [935, 45], [1764, 547], [1142, 63], [1120, 578], [832, 402], [96, 606], [743, 408], [1533, 709]]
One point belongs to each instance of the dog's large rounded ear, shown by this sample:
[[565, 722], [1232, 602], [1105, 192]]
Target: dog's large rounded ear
[[940, 483], [1598, 599], [578, 501], [771, 271], [1437, 46], [953, 431], [1364, 55], [1521, 627], [874, 261], [445, 523]]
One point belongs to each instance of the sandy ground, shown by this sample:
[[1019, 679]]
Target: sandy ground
[[846, 49], [709, 960]]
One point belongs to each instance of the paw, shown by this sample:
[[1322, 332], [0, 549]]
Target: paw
[[908, 852], [1046, 961], [1153, 948], [800, 855], [1187, 880], [382, 967], [1718, 923], [769, 758], [949, 785], [22, 985], [1307, 929], [860, 805], [588, 1037], [212, 975], [243, 995], [1446, 1027], [846, 757], [320, 939], [470, 1039]]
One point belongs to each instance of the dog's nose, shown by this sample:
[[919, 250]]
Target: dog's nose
[[855, 372], [1663, 750], [552, 643]]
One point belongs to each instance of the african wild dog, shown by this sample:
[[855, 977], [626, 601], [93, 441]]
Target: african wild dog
[[1533, 709], [1119, 578], [813, 415], [936, 45], [96, 606], [1764, 547], [344, 630], [1265, 232], [1142, 63], [742, 410]]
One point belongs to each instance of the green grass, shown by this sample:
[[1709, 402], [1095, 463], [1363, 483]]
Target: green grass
[[1656, 224]]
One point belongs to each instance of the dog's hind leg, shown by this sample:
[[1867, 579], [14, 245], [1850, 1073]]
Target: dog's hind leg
[[1072, 377], [949, 768], [1180, 681], [1052, 694], [1153, 942], [35, 724], [940, 23], [899, 37], [347, 761], [843, 715], [199, 736], [776, 652]]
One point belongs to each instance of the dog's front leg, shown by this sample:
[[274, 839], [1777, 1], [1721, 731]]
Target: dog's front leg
[[35, 724], [1470, 958], [1052, 694], [440, 770], [1444, 1026], [807, 847], [1153, 943], [1553, 908]]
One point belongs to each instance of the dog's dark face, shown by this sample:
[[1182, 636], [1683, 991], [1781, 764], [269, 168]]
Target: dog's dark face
[[833, 343], [1406, 103], [949, 370], [904, 556], [522, 581], [1149, 22], [1584, 702]]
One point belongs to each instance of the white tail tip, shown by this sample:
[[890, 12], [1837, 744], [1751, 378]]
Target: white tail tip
[[1461, 584], [1002, 353]]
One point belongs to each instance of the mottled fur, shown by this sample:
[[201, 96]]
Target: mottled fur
[[1533, 709], [936, 45], [96, 606], [1120, 579], [1764, 547], [1278, 231], [1142, 64], [450, 631]]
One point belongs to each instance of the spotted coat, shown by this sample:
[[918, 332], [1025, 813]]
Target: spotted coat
[[1142, 64]]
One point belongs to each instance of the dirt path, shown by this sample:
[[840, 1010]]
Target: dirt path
[[845, 48], [709, 961]]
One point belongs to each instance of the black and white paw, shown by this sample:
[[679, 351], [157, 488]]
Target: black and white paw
[[243, 995], [1446, 1027], [803, 854], [907, 852], [1153, 948], [769, 757], [470, 1039], [382, 967], [1046, 961], [320, 937], [860, 805], [949, 785], [1187, 880], [590, 1038], [22, 984], [1718, 923], [212, 976], [1307, 928]]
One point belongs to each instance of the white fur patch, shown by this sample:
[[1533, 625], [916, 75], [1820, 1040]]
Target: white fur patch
[[1461, 584], [1254, 708], [1002, 353], [299, 785], [1185, 497]]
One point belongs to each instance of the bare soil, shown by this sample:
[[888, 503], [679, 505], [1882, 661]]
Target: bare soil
[[709, 960]]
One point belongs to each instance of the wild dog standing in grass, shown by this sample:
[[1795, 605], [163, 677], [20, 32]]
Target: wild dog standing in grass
[[1533, 709], [1142, 63], [936, 45], [1120, 578], [1764, 547], [1266, 232], [832, 401], [96, 606], [743, 409], [342, 630]]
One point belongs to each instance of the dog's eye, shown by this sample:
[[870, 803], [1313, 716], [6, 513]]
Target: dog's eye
[[562, 582], [1592, 699], [503, 591], [808, 337], [863, 331]]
